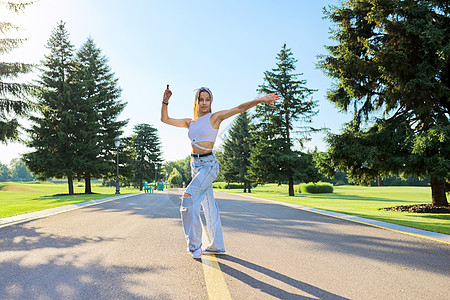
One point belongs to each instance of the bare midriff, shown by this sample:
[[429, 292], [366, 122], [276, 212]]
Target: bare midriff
[[208, 145]]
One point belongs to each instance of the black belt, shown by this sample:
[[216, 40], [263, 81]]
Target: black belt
[[201, 155]]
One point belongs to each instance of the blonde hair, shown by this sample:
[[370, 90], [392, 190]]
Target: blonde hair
[[197, 98]]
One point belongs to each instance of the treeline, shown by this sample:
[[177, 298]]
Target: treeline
[[16, 171], [180, 173], [342, 178], [140, 160], [74, 109]]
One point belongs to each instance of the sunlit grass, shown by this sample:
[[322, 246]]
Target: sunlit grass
[[366, 202], [20, 198]]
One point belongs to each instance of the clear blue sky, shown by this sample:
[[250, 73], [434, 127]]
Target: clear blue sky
[[224, 45]]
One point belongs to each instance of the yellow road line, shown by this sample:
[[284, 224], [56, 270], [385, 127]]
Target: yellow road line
[[215, 281]]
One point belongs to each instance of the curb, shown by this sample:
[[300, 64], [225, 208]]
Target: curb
[[56, 210], [435, 236]]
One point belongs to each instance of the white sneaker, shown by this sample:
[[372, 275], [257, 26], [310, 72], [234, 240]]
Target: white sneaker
[[213, 252], [197, 253]]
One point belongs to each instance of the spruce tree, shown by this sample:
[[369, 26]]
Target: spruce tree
[[392, 69], [148, 159], [273, 156], [236, 152], [97, 95], [13, 102], [52, 131]]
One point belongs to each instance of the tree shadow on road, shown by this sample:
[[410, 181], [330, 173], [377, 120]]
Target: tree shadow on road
[[315, 292], [25, 238], [56, 280], [144, 205], [55, 270], [39, 264], [334, 234]]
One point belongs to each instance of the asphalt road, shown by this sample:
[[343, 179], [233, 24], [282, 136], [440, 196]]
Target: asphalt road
[[134, 248]]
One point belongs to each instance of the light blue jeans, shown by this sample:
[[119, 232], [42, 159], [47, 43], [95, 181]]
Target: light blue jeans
[[204, 171]]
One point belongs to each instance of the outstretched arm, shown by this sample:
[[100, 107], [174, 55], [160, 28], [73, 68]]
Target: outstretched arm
[[165, 115], [219, 116]]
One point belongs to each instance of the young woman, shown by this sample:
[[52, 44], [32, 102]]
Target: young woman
[[202, 131]]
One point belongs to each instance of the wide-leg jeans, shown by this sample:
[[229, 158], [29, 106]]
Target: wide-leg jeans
[[204, 171]]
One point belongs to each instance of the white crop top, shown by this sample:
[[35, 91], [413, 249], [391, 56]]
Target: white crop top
[[201, 130]]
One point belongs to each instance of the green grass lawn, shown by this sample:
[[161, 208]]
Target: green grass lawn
[[20, 198], [363, 202]]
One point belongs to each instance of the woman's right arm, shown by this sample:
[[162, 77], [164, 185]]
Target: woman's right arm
[[165, 115]]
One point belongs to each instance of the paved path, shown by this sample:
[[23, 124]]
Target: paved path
[[133, 248]]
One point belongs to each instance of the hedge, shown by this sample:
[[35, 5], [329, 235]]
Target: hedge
[[314, 188]]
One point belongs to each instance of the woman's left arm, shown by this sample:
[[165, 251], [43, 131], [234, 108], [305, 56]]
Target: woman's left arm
[[219, 116]]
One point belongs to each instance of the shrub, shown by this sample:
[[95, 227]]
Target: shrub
[[314, 188]]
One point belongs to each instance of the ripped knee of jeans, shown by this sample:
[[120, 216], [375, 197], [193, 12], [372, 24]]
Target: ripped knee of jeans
[[186, 202]]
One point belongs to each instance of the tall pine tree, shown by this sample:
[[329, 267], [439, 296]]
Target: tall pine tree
[[273, 157], [236, 152], [13, 102], [148, 159], [392, 68], [52, 134], [98, 97]]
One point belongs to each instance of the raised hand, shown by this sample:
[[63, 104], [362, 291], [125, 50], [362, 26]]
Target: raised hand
[[167, 94], [270, 98]]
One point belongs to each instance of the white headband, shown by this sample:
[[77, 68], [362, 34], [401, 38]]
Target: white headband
[[199, 90]]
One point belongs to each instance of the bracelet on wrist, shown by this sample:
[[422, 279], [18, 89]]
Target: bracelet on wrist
[[166, 103]]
